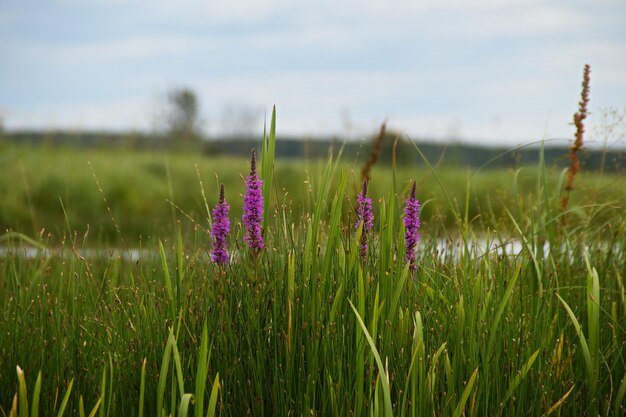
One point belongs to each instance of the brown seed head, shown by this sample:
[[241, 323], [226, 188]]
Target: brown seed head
[[253, 163]]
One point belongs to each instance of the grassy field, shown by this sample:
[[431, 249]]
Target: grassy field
[[306, 327], [126, 197]]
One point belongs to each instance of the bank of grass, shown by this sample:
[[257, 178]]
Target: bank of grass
[[306, 328], [125, 197]]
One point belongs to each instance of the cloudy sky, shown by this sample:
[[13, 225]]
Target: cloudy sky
[[469, 70]]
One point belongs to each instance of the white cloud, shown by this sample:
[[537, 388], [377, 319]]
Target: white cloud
[[108, 51], [118, 114]]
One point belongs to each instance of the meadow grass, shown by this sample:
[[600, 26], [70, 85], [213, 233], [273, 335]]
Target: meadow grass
[[124, 197], [306, 327]]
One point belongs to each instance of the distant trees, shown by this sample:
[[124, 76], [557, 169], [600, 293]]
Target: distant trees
[[182, 115]]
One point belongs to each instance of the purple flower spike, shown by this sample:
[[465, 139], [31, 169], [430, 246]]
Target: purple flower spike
[[220, 230], [412, 226], [253, 208], [364, 215]]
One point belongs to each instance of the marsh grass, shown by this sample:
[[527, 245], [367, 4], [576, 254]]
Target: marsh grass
[[306, 328]]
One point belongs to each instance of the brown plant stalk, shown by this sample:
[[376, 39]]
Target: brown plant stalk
[[579, 117], [367, 167]]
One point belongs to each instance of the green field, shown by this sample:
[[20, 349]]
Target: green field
[[124, 197], [306, 327]]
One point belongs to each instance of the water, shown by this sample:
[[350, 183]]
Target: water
[[443, 248]]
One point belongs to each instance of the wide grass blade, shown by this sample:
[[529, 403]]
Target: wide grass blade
[[34, 409], [466, 393], [201, 374], [210, 412], [267, 166], [400, 289], [81, 407], [66, 398], [591, 373], [183, 409], [593, 311], [335, 218], [520, 376], [168, 280], [142, 388], [381, 369], [23, 398], [94, 410], [163, 376]]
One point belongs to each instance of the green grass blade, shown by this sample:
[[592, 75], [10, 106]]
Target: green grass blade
[[335, 219], [110, 396], [520, 376], [210, 412], [163, 374], [20, 236], [178, 366], [183, 409], [34, 409], [400, 289], [81, 407], [94, 410], [167, 278], [66, 398], [180, 269], [103, 386], [267, 167], [591, 376], [466, 393], [593, 311], [379, 363], [23, 397], [336, 302], [142, 387], [201, 374]]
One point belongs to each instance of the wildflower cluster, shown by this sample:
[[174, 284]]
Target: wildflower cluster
[[253, 208], [220, 230], [411, 226], [365, 217], [253, 217]]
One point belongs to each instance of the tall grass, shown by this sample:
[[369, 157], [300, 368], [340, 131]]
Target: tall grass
[[307, 328]]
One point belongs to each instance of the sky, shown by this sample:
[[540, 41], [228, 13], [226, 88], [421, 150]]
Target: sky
[[472, 71]]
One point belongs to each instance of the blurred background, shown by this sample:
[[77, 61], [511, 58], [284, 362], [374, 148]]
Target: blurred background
[[476, 71], [113, 81]]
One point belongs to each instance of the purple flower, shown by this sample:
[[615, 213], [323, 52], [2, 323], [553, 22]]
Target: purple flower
[[253, 208], [364, 215], [220, 230], [411, 226]]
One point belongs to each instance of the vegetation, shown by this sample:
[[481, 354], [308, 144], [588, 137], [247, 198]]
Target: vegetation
[[124, 197], [305, 326]]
